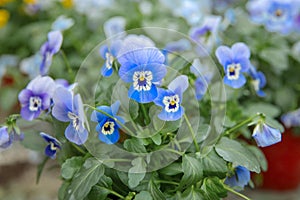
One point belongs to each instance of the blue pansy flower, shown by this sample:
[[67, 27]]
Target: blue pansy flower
[[170, 100], [240, 178], [48, 49], [206, 35], [204, 76], [235, 61], [69, 108], [36, 97], [276, 15], [109, 54], [176, 47], [62, 23], [258, 81], [142, 65], [107, 127], [265, 135], [7, 138], [291, 119], [53, 145], [114, 26]]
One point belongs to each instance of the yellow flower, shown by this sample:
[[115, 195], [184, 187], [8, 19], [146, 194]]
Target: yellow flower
[[3, 2], [4, 16], [67, 3], [29, 1]]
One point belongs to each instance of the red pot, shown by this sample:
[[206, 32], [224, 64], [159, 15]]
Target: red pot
[[283, 163]]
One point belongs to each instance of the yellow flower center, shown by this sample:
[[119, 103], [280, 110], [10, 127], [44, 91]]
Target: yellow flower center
[[29, 1], [67, 3]]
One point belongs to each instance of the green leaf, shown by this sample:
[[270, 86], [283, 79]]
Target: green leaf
[[171, 126], [276, 57], [156, 139], [214, 165], [40, 169], [275, 124], [63, 190], [192, 171], [285, 103], [172, 169], [260, 157], [89, 174], [233, 151], [266, 108], [192, 194], [101, 190], [143, 195], [154, 191], [137, 173], [213, 189], [71, 166], [135, 145]]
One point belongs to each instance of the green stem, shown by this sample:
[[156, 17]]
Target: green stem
[[70, 71], [112, 192], [117, 160], [174, 151], [112, 117], [147, 119], [192, 132], [243, 123], [235, 192], [78, 148]]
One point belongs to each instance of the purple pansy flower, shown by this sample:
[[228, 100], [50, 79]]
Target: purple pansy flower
[[170, 100], [53, 145], [142, 65], [204, 76], [36, 97], [265, 135], [206, 35], [258, 81], [48, 49], [291, 119], [7, 139], [235, 61], [69, 108], [109, 54], [240, 179], [107, 127]]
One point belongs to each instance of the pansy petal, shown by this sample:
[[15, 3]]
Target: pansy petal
[[109, 139], [171, 116], [24, 96], [74, 136], [103, 50], [159, 71], [161, 94], [41, 85], [238, 83], [106, 71], [245, 64], [4, 136], [115, 107], [62, 104], [49, 138], [179, 84], [265, 135], [143, 96], [240, 51], [49, 152], [224, 55], [200, 88], [27, 114], [101, 116], [55, 39]]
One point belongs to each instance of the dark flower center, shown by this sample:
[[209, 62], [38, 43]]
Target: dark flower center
[[108, 128], [233, 71], [75, 120], [171, 103], [35, 103], [142, 80]]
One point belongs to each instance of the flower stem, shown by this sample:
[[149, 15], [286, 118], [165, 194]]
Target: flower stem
[[192, 132], [235, 192], [111, 192], [147, 119], [78, 148], [70, 71], [112, 117], [167, 182]]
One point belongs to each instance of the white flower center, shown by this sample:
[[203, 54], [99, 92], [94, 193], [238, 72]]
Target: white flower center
[[233, 71], [142, 80], [35, 103], [171, 103], [109, 60], [255, 84], [108, 128], [75, 120]]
